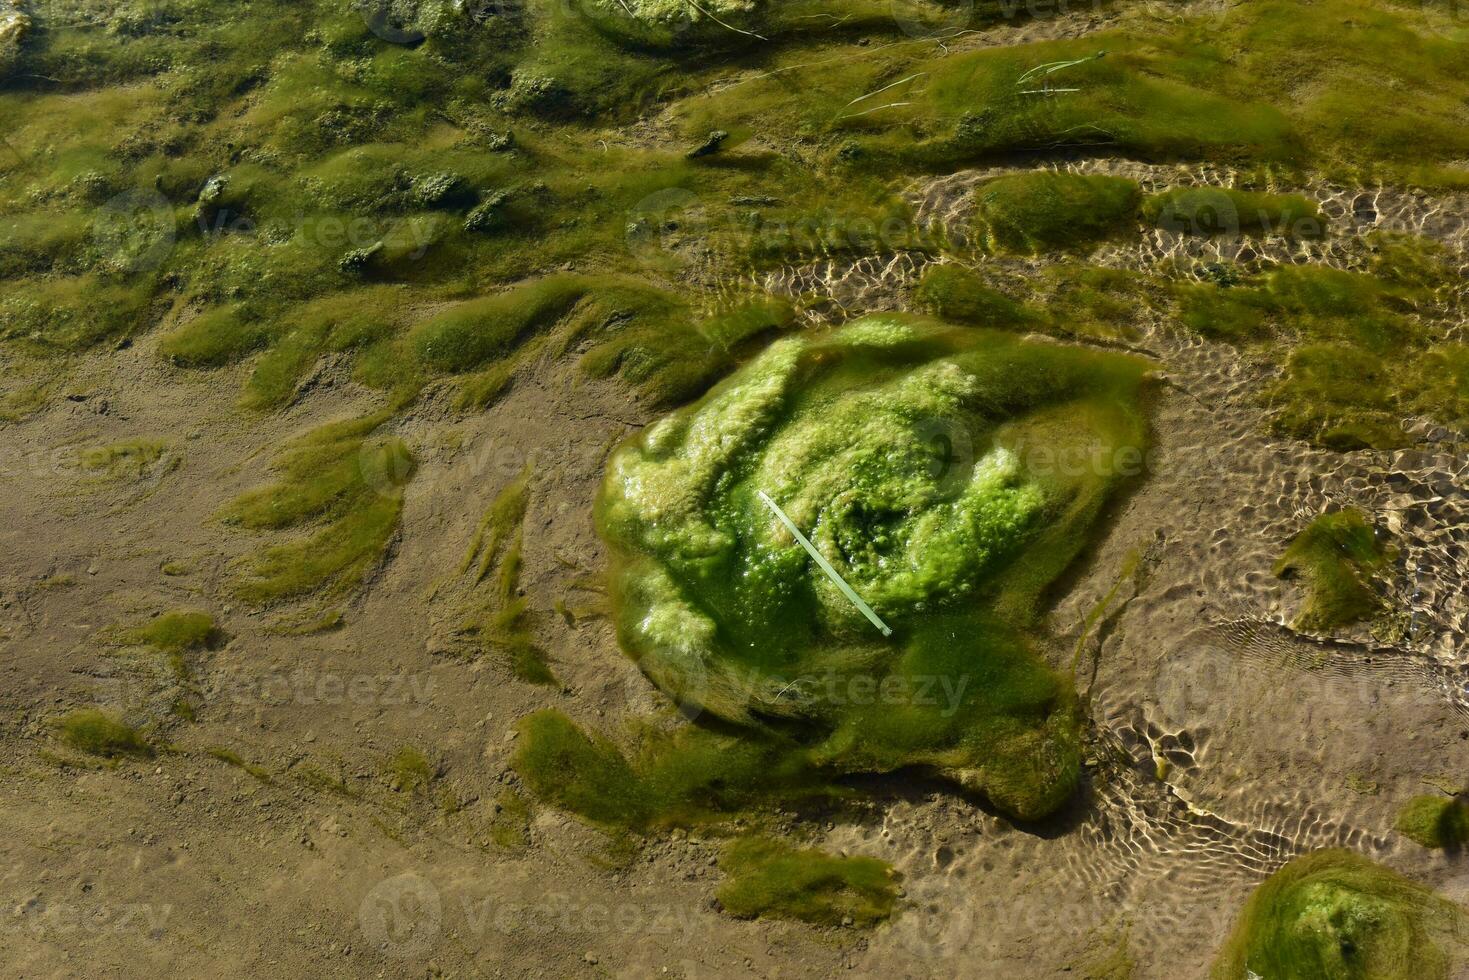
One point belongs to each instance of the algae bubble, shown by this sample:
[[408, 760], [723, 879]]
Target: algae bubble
[[1334, 915], [948, 475]]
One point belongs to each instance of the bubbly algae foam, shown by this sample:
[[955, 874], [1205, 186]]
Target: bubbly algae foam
[[947, 475]]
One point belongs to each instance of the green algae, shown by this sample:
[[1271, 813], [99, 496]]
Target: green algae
[[499, 615], [133, 459], [1435, 821], [1226, 211], [923, 460], [176, 632], [1334, 915], [695, 775], [232, 758], [1046, 210], [959, 295], [344, 486], [768, 878], [410, 771], [98, 733], [1360, 352], [1338, 557]]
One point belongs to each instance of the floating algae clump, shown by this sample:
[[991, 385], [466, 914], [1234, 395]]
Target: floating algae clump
[[1334, 915], [947, 475]]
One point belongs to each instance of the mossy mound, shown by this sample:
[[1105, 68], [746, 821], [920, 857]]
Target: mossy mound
[[98, 733], [1045, 211], [1333, 915], [1337, 555], [947, 475], [771, 879], [176, 632], [14, 26], [1439, 822]]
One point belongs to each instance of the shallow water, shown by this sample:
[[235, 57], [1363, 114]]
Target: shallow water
[[1234, 685]]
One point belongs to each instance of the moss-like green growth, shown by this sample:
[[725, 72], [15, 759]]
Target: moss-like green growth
[[672, 23], [501, 519], [1227, 212], [510, 825], [502, 620], [948, 475], [95, 732], [1436, 821], [176, 632], [667, 353], [959, 294], [69, 313], [1337, 555], [772, 880], [1333, 915], [1044, 211], [695, 775], [342, 322], [1224, 313], [410, 771], [1360, 351], [232, 758], [214, 338], [344, 483], [128, 460], [1092, 301], [473, 332]]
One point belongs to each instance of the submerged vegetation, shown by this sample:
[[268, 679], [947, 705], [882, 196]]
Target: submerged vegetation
[[345, 487], [416, 197], [1361, 352], [1437, 821], [1338, 557], [1333, 915], [771, 879], [1043, 211], [501, 619], [924, 460], [1214, 211]]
